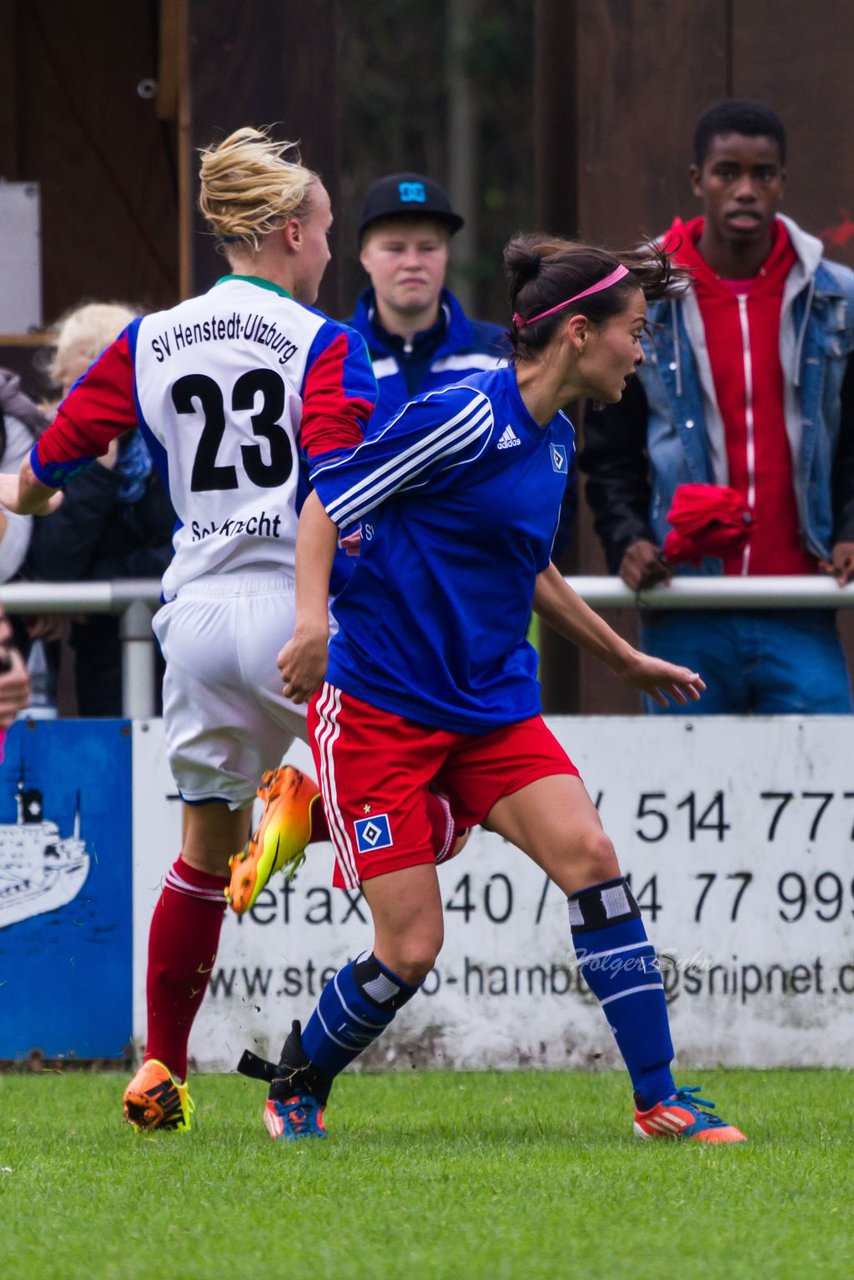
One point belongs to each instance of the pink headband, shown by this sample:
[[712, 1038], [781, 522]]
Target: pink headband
[[616, 274]]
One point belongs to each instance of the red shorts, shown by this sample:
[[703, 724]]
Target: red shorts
[[376, 770]]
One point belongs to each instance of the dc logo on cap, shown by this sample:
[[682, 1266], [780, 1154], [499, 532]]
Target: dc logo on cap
[[412, 193], [559, 459], [373, 833]]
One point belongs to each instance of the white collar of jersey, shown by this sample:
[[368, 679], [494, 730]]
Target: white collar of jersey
[[259, 281]]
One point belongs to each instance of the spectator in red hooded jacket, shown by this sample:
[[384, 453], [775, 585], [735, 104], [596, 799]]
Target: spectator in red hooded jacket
[[748, 384]]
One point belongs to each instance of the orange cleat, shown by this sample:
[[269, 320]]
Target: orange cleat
[[682, 1115], [155, 1100], [278, 843]]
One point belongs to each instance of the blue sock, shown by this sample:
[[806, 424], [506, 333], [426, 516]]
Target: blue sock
[[353, 1010], [619, 964]]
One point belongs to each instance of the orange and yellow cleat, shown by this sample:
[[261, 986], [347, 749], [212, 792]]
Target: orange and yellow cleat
[[278, 843], [155, 1100]]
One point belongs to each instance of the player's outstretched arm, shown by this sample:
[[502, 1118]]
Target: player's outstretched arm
[[565, 612], [302, 661], [27, 496]]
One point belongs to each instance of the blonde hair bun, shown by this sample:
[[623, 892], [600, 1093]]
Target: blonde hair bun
[[249, 189]]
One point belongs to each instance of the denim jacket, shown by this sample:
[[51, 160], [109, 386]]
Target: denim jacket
[[684, 433]]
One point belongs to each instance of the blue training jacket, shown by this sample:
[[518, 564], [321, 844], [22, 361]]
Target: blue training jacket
[[452, 349]]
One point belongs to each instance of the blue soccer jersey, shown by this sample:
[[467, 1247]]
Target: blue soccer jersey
[[458, 497]]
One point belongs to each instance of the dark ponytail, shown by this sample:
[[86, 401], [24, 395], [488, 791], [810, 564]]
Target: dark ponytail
[[521, 263], [544, 272]]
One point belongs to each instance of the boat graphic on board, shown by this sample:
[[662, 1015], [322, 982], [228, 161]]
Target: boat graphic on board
[[40, 870]]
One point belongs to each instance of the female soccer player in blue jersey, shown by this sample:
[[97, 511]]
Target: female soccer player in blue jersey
[[430, 681]]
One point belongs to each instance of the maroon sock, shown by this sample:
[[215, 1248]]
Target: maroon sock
[[182, 946]]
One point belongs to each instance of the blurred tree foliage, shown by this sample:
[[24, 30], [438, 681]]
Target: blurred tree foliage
[[394, 63]]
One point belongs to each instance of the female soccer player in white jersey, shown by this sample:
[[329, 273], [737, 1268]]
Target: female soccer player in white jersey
[[429, 679], [230, 389]]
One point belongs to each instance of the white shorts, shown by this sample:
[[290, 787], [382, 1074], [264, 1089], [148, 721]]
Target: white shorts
[[225, 716]]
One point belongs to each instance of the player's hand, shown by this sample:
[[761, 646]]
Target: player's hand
[[841, 563], [14, 686], [642, 566], [302, 664], [9, 488], [661, 680]]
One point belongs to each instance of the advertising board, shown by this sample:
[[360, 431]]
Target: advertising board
[[737, 836]]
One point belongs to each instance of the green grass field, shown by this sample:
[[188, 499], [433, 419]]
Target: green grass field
[[427, 1175]]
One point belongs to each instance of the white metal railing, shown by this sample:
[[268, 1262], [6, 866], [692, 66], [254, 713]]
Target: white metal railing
[[135, 599], [819, 592]]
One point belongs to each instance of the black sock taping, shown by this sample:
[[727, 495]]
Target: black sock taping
[[293, 1073], [601, 905], [379, 985], [256, 1068]]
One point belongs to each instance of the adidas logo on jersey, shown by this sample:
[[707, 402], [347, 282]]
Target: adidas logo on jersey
[[508, 438]]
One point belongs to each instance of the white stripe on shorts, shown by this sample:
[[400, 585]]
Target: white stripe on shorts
[[450, 831], [323, 731], [328, 710]]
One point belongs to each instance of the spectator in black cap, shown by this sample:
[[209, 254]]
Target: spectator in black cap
[[417, 333]]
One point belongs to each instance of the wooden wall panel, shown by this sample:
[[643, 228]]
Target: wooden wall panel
[[9, 158], [798, 59], [264, 63], [555, 124], [81, 130], [646, 68]]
